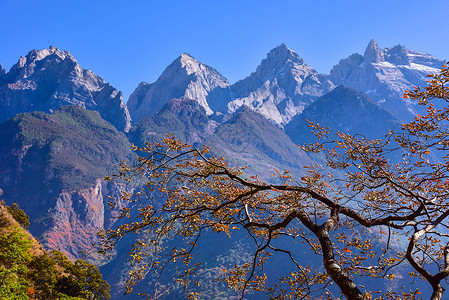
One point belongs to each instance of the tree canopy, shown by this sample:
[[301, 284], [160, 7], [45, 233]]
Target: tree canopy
[[367, 208]]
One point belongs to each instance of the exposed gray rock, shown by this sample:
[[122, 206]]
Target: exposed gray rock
[[2, 71], [47, 79], [183, 78], [384, 74], [281, 87]]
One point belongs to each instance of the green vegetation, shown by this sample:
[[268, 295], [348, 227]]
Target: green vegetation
[[28, 272], [19, 215], [64, 146]]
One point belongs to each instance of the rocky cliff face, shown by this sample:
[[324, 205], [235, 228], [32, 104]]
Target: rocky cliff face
[[183, 78], [52, 165], [384, 75], [281, 87], [47, 79], [77, 216]]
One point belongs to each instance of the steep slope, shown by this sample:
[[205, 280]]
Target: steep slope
[[28, 271], [281, 87], [345, 110], [47, 79], [384, 74], [52, 165], [249, 139], [183, 78]]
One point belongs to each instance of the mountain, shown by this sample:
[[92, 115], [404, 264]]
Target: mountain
[[183, 78], [250, 139], [47, 79], [384, 74], [52, 165], [345, 110], [281, 87], [185, 118], [245, 138]]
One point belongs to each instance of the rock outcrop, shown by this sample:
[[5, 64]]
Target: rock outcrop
[[47, 79]]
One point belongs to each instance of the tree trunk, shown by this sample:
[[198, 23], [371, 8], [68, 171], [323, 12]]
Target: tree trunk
[[438, 291], [347, 286]]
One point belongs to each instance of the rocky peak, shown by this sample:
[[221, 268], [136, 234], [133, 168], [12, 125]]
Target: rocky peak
[[282, 85], [279, 61], [185, 77], [282, 55], [44, 80], [398, 55], [190, 64], [373, 53]]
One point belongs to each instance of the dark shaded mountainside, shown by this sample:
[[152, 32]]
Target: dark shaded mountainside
[[343, 110], [64, 129]]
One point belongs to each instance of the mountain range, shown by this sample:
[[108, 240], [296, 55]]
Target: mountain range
[[64, 128]]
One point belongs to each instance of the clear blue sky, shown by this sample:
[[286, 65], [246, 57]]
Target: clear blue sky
[[127, 42]]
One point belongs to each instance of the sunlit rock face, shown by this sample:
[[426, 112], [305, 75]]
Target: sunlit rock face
[[384, 75], [47, 79], [281, 87], [184, 78]]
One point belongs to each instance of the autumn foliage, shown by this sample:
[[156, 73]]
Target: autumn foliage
[[369, 207]]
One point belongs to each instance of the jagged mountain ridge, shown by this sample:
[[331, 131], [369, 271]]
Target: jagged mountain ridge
[[283, 84], [47, 79], [384, 74], [246, 138]]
